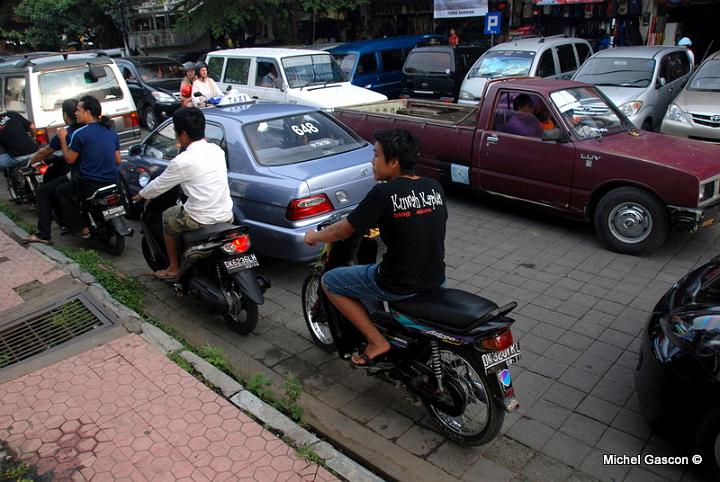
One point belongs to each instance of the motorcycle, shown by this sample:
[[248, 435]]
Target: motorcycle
[[450, 349], [23, 184], [104, 215], [217, 264]]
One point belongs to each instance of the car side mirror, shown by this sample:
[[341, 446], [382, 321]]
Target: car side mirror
[[94, 73], [229, 88], [556, 134], [135, 150], [661, 82]]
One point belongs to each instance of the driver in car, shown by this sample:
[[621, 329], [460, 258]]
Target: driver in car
[[201, 172]]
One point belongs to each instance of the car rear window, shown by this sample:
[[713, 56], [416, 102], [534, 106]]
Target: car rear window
[[428, 63], [57, 86], [298, 138]]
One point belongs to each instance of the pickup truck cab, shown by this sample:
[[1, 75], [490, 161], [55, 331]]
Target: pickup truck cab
[[561, 146]]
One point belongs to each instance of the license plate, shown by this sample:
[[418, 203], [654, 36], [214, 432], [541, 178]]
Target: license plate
[[114, 212], [39, 178], [496, 360], [241, 263]]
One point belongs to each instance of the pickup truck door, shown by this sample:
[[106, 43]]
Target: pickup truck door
[[523, 167]]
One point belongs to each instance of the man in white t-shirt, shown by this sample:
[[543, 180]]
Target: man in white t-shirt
[[201, 172]]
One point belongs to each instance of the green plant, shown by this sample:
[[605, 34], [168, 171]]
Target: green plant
[[259, 384], [183, 363], [292, 392], [215, 357], [16, 217], [12, 469], [309, 454]]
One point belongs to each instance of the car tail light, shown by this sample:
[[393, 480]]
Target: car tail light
[[131, 119], [446, 100], [498, 342], [110, 200], [308, 207], [237, 245], [41, 137]]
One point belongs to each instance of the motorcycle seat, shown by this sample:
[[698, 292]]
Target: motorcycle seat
[[445, 307], [205, 233]]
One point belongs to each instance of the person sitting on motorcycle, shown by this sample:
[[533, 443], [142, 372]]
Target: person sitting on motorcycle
[[47, 202], [411, 214], [205, 85], [98, 146], [186, 84], [201, 172], [16, 139]]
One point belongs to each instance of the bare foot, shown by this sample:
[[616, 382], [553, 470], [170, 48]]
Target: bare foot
[[372, 351]]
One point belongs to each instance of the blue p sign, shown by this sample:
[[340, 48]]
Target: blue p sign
[[492, 23]]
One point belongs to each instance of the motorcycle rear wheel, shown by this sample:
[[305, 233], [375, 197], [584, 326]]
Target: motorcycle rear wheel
[[314, 317], [112, 241], [244, 321], [483, 415]]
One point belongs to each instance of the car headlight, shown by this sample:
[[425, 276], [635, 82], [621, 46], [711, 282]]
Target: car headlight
[[163, 97], [464, 94], [707, 190], [675, 113], [631, 108]]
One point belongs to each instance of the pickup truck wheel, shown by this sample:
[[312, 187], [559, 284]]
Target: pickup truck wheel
[[630, 220]]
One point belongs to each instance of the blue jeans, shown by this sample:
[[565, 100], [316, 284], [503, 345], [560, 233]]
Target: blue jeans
[[8, 161], [358, 282]]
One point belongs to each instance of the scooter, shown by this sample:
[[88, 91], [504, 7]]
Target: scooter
[[450, 349], [104, 215], [217, 264]]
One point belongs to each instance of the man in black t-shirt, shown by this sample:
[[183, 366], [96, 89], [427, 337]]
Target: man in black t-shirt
[[411, 214], [16, 138]]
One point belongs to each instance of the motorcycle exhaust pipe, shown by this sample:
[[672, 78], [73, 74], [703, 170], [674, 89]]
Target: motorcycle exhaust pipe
[[209, 294]]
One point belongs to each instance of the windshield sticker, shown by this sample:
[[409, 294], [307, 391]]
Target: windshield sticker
[[306, 128]]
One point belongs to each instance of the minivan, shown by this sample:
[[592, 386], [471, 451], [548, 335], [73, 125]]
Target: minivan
[[36, 87], [377, 64], [554, 57], [308, 77], [436, 72]]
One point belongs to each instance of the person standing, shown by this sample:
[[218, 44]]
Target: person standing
[[453, 39], [205, 85], [687, 43]]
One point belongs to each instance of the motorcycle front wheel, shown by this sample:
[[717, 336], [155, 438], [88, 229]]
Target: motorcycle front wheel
[[314, 315], [465, 379]]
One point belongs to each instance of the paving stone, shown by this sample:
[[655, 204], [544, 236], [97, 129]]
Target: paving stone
[[548, 413], [564, 395], [580, 379], [534, 343], [639, 474], [508, 453], [575, 340], [363, 408], [488, 470], [390, 424], [530, 432], [672, 472], [631, 422], [336, 395], [598, 409], [542, 468], [616, 338], [547, 367], [573, 310], [594, 466], [615, 393], [562, 354], [593, 364], [614, 441], [420, 441], [454, 459], [583, 428], [533, 382], [548, 331], [566, 449]]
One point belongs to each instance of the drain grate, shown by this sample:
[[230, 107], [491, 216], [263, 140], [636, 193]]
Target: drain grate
[[38, 333]]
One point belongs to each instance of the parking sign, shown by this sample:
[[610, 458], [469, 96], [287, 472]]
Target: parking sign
[[492, 23]]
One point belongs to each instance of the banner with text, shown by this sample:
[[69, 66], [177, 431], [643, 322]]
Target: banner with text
[[460, 8]]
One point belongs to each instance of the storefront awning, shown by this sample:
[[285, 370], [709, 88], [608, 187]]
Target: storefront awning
[[564, 2]]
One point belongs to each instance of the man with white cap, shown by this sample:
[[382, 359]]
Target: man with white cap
[[686, 42]]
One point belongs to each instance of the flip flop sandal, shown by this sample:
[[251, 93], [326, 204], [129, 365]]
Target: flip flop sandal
[[166, 277], [34, 239], [371, 363]]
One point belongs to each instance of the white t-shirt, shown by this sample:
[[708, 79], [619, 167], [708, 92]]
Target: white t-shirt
[[202, 174], [208, 89]]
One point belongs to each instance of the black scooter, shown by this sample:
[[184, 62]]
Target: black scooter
[[216, 264], [449, 348]]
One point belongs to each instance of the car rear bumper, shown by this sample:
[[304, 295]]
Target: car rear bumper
[[691, 219], [690, 131]]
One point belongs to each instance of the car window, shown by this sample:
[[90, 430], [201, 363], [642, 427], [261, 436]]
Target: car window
[[303, 70], [298, 138], [522, 114], [566, 56], [392, 60], [215, 67], [267, 74], [620, 72], [215, 134], [163, 145], [678, 65], [583, 52], [15, 95], [587, 113], [128, 74], [503, 63], [423, 62], [160, 71], [237, 71], [367, 64], [707, 77], [59, 85], [546, 65], [347, 63]]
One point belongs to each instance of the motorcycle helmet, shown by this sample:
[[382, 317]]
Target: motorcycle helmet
[[186, 90], [188, 66], [200, 65], [684, 42]]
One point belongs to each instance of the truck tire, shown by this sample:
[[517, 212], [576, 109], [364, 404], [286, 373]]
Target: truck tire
[[631, 221]]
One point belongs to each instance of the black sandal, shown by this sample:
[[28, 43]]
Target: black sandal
[[371, 362]]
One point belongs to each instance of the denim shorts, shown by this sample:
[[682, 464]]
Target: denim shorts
[[359, 282]]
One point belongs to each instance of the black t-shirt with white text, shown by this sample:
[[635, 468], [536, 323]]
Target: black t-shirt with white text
[[14, 136], [411, 215]]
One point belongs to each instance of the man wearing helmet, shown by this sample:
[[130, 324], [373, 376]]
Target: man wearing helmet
[[205, 85], [687, 43], [186, 84]]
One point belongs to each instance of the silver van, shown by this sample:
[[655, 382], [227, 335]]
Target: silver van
[[36, 86], [641, 81], [554, 57]]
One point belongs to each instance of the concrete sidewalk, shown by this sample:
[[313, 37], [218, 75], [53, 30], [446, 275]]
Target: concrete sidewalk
[[124, 411]]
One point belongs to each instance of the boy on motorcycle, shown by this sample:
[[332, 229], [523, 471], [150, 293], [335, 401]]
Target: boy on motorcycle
[[411, 214], [201, 172]]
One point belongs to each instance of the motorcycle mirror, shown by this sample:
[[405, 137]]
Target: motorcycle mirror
[[135, 150], [229, 88], [197, 94]]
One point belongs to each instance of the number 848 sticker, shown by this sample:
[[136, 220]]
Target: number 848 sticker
[[306, 128]]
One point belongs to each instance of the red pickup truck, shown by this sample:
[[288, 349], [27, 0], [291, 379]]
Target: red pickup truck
[[563, 146]]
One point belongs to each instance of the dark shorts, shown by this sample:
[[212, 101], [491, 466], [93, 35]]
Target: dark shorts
[[359, 282]]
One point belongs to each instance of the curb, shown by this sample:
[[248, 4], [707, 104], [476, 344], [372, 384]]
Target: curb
[[341, 464]]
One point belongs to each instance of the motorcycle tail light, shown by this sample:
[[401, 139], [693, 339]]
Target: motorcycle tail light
[[42, 168], [237, 245], [41, 137], [308, 207], [110, 200], [500, 342]]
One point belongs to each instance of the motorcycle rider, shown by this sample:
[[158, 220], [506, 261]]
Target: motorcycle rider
[[201, 172], [411, 214], [186, 84], [205, 85]]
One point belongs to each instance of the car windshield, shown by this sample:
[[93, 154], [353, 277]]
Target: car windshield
[[160, 71], [306, 70], [57, 86], [419, 62], [587, 113], [617, 72], [298, 138], [347, 63], [707, 77], [502, 63]]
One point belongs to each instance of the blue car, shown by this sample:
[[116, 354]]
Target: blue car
[[290, 168]]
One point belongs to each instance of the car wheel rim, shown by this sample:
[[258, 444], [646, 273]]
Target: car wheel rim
[[321, 331], [630, 223], [150, 120]]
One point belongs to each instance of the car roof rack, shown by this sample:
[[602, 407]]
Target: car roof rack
[[560, 35]]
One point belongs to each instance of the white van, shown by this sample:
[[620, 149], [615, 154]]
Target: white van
[[554, 57], [308, 77], [37, 84]]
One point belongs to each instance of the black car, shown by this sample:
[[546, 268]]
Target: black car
[[155, 86], [437, 72], [678, 373]]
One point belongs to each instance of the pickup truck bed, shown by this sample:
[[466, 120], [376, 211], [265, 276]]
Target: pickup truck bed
[[435, 112]]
